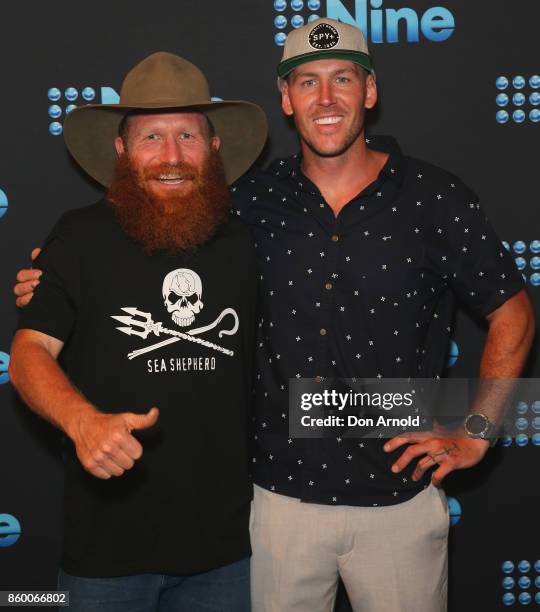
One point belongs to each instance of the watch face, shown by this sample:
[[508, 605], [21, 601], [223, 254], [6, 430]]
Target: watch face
[[477, 424]]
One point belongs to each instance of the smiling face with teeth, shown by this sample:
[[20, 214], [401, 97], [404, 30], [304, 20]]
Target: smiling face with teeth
[[327, 100], [169, 149], [169, 191]]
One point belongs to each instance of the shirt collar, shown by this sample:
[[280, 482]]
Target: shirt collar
[[290, 167]]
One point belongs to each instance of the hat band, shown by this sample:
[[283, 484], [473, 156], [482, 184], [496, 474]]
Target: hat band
[[358, 57], [163, 102]]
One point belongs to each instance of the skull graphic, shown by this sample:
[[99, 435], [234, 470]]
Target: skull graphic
[[182, 291]]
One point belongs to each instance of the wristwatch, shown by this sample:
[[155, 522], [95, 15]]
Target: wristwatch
[[479, 426]]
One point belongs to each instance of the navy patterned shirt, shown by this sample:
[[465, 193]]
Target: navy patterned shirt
[[369, 293]]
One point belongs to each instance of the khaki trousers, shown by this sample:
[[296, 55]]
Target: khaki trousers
[[390, 558]]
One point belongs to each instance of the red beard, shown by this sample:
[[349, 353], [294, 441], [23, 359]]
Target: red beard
[[175, 223]]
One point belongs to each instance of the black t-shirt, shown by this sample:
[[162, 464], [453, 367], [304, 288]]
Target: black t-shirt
[[184, 506]]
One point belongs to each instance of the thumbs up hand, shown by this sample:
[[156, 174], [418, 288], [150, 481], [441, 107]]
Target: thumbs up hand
[[104, 443]]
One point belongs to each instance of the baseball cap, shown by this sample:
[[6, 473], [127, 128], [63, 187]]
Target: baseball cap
[[324, 39]]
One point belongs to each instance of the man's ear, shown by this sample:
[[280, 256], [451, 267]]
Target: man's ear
[[119, 146], [285, 99], [215, 143], [371, 92]]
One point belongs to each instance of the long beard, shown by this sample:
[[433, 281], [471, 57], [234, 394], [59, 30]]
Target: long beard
[[177, 222]]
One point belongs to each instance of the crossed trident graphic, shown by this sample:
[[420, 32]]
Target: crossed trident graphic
[[144, 326]]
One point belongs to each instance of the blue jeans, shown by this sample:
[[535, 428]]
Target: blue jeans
[[225, 589]]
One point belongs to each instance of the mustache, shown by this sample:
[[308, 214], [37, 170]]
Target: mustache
[[181, 169]]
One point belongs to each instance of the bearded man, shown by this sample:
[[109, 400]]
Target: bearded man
[[138, 346]]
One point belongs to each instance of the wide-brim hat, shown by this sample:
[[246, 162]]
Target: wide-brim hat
[[324, 38], [169, 82]]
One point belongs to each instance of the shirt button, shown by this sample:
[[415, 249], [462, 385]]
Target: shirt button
[[335, 238], [322, 331], [328, 286]]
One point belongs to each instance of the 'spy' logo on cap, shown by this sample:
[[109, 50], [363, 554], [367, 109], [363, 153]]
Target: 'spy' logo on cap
[[323, 36]]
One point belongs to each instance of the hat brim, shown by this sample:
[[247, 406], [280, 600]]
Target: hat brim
[[90, 131], [287, 66]]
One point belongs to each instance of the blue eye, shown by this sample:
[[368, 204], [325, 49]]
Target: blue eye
[[185, 136]]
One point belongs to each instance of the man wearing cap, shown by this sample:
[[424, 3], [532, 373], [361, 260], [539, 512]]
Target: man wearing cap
[[142, 331], [362, 253]]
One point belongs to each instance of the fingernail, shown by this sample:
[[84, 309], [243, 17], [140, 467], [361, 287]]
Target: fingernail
[[395, 468], [386, 447], [34, 284]]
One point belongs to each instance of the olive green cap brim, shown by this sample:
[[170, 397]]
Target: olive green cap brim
[[287, 66]]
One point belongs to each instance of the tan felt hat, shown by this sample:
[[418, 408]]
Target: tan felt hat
[[165, 81], [324, 39]]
